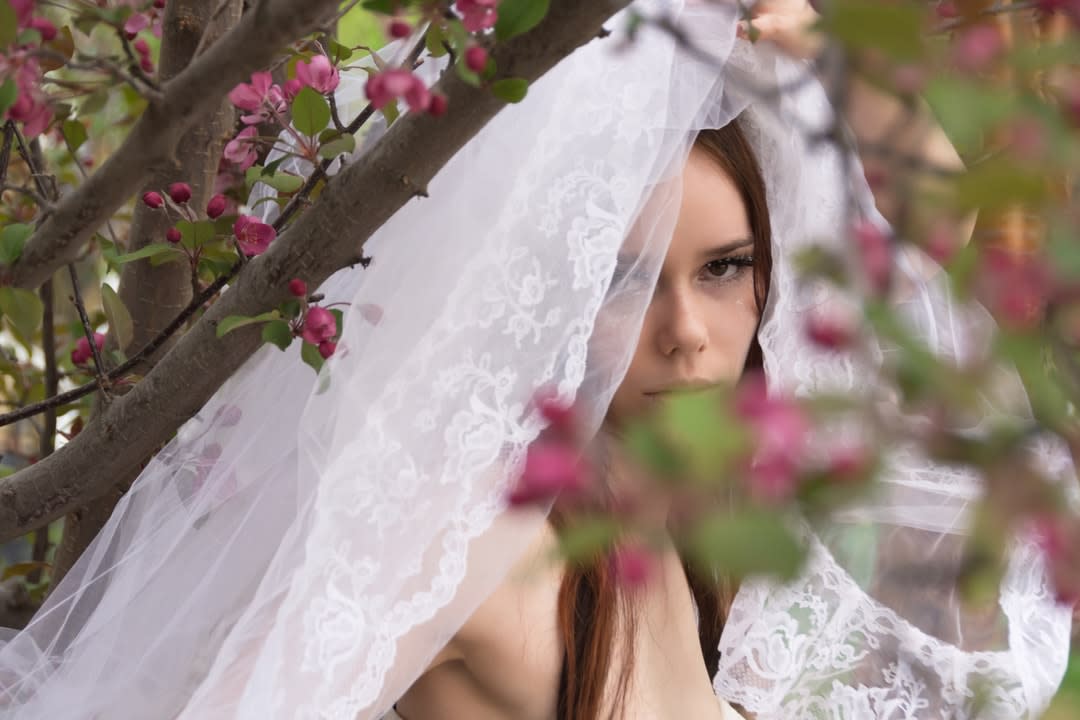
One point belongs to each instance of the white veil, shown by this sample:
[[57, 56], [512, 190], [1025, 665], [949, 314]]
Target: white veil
[[305, 546]]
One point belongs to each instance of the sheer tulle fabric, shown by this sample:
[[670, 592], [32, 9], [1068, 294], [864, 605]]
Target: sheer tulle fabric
[[306, 545]]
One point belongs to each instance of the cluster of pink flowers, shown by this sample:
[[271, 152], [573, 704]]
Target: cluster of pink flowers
[[393, 83], [1059, 538], [780, 430], [1015, 286], [553, 463], [31, 107], [262, 100]]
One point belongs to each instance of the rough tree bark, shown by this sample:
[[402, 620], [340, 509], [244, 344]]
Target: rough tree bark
[[154, 295], [324, 239]]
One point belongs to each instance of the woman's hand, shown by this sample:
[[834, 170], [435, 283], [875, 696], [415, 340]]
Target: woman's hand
[[785, 23]]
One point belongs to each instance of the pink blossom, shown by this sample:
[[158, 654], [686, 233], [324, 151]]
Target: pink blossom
[[173, 235], [1070, 8], [292, 88], [476, 58], [438, 105], [477, 15], [260, 98], [327, 348], [319, 325], [318, 74], [241, 149], [24, 9], [31, 106], [136, 24], [780, 429], [43, 26], [1015, 286], [634, 565], [253, 236], [975, 48], [400, 29], [875, 255], [153, 199], [848, 464], [832, 331], [550, 469], [82, 354], [216, 207], [385, 86], [1059, 540], [298, 288]]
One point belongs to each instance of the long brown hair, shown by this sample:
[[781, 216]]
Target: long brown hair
[[589, 597]]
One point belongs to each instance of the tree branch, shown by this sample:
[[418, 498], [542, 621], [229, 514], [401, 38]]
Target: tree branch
[[185, 100], [351, 208]]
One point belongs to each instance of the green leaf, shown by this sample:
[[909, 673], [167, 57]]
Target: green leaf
[[310, 112], [197, 234], [23, 309], [967, 111], [310, 354], [277, 332], [119, 318], [282, 182], [998, 183], [12, 239], [511, 90], [75, 133], [391, 111], [519, 16], [586, 539], [149, 251], [386, 7], [752, 542], [895, 29], [8, 24], [339, 320], [230, 323], [9, 92], [341, 145], [704, 435], [434, 40]]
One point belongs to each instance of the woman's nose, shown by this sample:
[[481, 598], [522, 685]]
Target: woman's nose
[[682, 327]]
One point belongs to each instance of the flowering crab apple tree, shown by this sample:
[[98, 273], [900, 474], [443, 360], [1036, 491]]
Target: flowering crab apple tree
[[134, 131]]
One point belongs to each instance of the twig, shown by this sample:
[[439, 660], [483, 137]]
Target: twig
[[5, 149], [70, 396], [1002, 8]]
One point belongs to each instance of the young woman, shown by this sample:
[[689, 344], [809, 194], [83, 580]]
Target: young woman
[[566, 642]]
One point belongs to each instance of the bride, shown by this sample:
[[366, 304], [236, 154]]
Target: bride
[[341, 546]]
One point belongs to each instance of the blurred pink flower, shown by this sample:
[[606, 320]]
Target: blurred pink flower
[[319, 74]]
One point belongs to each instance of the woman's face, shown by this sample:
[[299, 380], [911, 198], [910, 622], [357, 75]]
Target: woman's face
[[702, 317]]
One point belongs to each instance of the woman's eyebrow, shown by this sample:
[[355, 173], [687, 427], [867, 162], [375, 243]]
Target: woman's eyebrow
[[721, 250]]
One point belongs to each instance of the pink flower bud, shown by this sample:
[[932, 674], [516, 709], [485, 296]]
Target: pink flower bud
[[173, 235], [634, 565], [43, 26], [977, 47], [298, 288], [216, 207], [141, 47], [319, 325], [388, 85], [327, 348], [946, 10], [159, 4], [830, 331], [550, 469], [253, 236], [477, 15], [153, 199], [438, 105], [180, 192], [476, 58], [848, 465], [875, 255], [82, 353], [400, 29]]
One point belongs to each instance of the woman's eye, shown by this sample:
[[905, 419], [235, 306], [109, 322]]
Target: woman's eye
[[727, 268]]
